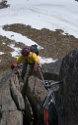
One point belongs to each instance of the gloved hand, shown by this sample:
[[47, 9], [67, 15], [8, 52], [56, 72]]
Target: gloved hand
[[14, 65]]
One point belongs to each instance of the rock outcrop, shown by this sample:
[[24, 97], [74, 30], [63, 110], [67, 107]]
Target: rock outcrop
[[51, 70], [68, 94], [16, 108], [9, 114], [19, 109], [3, 4]]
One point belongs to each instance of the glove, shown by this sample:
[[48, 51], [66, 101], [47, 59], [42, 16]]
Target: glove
[[14, 65]]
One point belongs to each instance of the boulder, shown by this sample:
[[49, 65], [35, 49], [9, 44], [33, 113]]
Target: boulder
[[51, 70], [9, 114], [19, 108], [36, 94], [16, 95], [68, 93]]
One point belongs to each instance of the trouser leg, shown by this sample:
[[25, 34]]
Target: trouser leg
[[24, 69], [25, 88], [33, 71], [30, 72]]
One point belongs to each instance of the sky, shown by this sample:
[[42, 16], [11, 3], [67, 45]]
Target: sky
[[51, 14]]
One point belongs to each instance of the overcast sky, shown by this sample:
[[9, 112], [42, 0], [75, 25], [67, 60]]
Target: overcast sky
[[51, 14]]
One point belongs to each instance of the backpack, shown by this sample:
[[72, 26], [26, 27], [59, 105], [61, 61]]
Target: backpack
[[33, 48]]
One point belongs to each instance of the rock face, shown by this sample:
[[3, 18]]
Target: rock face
[[36, 96], [4, 4], [16, 109], [51, 70], [76, 0], [9, 114], [19, 109], [68, 94]]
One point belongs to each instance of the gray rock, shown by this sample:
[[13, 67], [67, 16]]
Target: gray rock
[[9, 114], [68, 94], [51, 70], [17, 96]]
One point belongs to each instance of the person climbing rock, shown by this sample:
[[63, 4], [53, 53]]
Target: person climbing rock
[[30, 58]]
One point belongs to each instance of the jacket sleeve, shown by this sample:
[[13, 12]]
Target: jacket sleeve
[[37, 60], [35, 57], [20, 59]]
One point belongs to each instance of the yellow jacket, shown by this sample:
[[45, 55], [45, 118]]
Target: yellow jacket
[[30, 59]]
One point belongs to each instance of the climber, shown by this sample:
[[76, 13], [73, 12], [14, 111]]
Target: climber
[[27, 58]]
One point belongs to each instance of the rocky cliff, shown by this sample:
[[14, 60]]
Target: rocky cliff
[[19, 109], [68, 93]]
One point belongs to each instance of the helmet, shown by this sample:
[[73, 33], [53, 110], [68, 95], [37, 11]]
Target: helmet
[[25, 51]]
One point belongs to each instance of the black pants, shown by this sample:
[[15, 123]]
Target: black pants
[[24, 69], [30, 70]]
